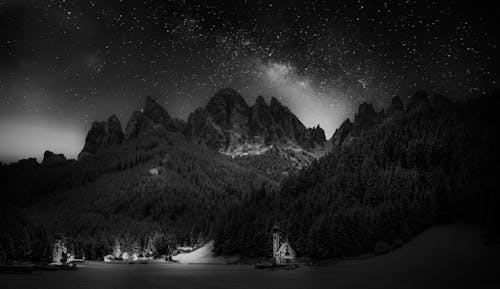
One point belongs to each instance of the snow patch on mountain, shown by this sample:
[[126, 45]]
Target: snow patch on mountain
[[247, 149], [290, 151]]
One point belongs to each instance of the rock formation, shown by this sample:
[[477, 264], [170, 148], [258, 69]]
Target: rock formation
[[396, 106], [152, 119], [227, 123], [50, 159], [419, 100], [102, 134], [341, 133], [365, 118]]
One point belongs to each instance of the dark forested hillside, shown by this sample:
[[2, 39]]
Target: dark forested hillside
[[156, 188], [389, 177]]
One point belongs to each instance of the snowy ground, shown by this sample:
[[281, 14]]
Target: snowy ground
[[203, 255], [442, 257]]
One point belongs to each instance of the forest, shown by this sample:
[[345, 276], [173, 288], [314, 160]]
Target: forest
[[431, 164], [112, 197], [428, 165]]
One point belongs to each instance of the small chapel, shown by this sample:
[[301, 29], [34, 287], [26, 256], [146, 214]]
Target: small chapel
[[283, 254]]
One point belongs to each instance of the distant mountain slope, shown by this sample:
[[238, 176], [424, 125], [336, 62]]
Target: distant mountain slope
[[388, 177], [156, 185], [228, 125], [151, 177]]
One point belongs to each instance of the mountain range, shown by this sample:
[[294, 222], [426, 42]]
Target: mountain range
[[227, 124], [232, 171]]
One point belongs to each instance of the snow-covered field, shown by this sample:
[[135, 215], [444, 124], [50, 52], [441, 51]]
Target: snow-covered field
[[204, 255], [442, 257]]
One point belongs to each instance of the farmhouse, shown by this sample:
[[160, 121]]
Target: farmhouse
[[283, 254]]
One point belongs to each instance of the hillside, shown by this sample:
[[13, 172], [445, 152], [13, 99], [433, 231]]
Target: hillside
[[163, 189], [388, 177], [228, 125], [158, 181]]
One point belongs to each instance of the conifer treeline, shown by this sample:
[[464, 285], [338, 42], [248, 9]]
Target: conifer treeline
[[415, 169], [422, 167], [112, 197]]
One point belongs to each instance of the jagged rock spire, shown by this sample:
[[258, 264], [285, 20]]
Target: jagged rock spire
[[396, 106], [228, 122], [101, 135], [152, 119]]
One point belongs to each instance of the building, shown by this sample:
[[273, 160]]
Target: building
[[283, 253]]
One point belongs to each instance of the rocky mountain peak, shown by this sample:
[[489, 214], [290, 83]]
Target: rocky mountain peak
[[96, 139], [396, 106], [230, 97], [275, 103], [156, 113], [365, 110], [365, 118], [101, 135], [418, 100], [114, 130], [152, 119], [262, 123], [133, 125], [52, 159], [229, 110], [26, 164], [228, 124], [260, 101], [314, 136], [341, 133]]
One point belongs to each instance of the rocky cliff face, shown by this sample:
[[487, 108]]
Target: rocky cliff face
[[263, 127], [314, 137], [101, 135], [51, 159], [341, 133], [152, 119], [229, 125], [397, 106], [365, 118], [419, 100], [226, 124], [228, 113]]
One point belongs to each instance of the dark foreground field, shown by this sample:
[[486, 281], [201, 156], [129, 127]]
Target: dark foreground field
[[442, 257]]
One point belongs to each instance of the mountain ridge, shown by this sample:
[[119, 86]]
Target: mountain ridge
[[394, 176], [226, 124], [367, 118]]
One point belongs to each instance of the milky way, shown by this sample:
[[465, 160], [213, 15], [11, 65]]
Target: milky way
[[67, 63]]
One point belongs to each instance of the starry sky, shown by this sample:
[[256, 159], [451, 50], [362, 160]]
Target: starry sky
[[65, 64]]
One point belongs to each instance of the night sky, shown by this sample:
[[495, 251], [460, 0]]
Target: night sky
[[64, 64]]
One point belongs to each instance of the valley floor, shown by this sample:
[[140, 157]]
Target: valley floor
[[452, 256]]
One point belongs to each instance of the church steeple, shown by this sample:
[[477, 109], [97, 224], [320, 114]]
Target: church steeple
[[276, 243]]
